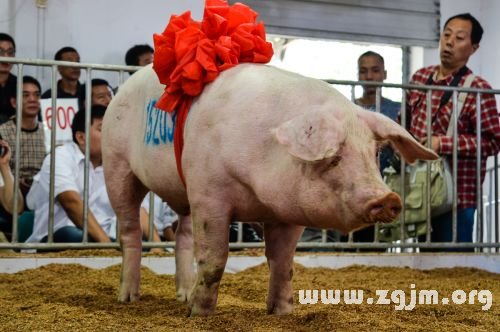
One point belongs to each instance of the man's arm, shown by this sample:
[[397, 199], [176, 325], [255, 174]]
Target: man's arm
[[8, 191], [168, 234], [144, 220], [144, 217], [73, 205], [490, 131]]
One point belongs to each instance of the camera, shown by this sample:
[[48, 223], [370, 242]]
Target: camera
[[3, 149], [395, 162]]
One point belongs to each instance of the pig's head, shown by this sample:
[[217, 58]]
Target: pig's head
[[336, 154]]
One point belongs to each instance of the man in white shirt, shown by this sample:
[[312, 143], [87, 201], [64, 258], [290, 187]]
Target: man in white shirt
[[164, 218], [69, 176]]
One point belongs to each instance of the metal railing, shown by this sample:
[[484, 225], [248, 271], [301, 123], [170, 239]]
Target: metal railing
[[490, 239], [54, 65]]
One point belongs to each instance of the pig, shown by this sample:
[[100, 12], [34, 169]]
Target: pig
[[260, 144]]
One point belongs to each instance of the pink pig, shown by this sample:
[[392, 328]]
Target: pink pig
[[261, 144]]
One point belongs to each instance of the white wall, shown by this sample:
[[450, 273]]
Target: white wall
[[101, 30]]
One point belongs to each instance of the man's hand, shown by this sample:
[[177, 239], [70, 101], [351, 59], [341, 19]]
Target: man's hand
[[6, 155], [73, 205], [25, 185], [435, 143], [7, 192]]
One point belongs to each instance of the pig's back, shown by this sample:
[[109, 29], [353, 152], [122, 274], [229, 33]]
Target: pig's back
[[124, 130], [239, 109], [229, 130]]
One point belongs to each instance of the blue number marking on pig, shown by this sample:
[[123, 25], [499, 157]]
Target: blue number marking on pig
[[160, 125]]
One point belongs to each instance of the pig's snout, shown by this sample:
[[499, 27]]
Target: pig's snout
[[384, 209]]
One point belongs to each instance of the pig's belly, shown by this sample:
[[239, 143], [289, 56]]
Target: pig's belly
[[156, 168]]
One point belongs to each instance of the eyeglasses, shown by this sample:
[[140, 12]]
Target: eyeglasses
[[8, 52]]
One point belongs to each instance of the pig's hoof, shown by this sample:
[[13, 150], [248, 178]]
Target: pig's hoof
[[182, 295], [200, 309], [128, 296], [282, 309], [196, 311]]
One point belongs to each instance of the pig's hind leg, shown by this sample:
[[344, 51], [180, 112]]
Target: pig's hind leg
[[281, 241], [126, 193]]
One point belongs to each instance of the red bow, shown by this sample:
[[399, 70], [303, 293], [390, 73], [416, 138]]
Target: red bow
[[190, 54]]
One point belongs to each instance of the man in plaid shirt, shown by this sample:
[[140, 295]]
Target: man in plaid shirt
[[459, 40], [32, 145]]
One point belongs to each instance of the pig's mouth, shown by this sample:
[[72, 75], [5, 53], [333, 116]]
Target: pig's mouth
[[383, 210]]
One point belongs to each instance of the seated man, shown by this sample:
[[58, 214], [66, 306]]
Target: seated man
[[7, 191], [101, 92], [32, 144], [139, 55], [69, 85], [164, 219], [252, 232], [8, 80], [68, 177]]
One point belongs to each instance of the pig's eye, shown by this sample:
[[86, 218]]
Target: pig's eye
[[335, 161]]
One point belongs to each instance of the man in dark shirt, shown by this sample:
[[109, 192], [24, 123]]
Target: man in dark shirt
[[139, 55], [68, 86], [7, 80]]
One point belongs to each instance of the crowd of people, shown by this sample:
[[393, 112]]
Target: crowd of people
[[34, 162], [459, 40], [34, 172]]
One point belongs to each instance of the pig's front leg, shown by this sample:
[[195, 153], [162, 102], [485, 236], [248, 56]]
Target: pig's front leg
[[130, 240], [184, 260], [211, 245], [281, 241]]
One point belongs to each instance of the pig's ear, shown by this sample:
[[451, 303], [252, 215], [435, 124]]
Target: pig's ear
[[386, 129], [313, 136]]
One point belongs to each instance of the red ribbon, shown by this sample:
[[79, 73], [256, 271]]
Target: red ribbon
[[190, 54]]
